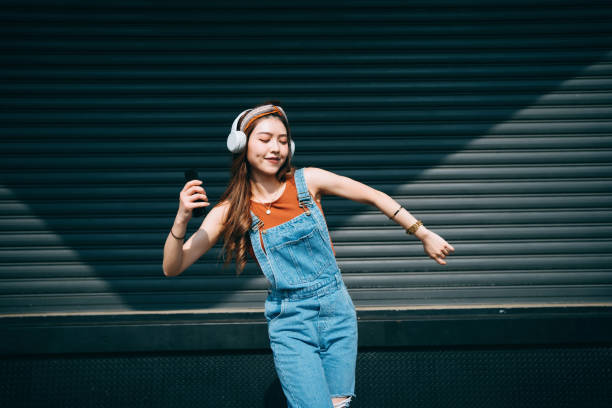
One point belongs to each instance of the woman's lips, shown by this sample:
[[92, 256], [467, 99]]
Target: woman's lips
[[273, 160]]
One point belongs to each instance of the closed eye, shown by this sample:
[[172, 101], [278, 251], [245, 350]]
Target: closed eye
[[283, 141]]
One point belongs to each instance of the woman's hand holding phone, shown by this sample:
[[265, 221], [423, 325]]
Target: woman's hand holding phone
[[192, 199]]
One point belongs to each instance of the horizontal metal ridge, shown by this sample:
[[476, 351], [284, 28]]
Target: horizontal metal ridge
[[528, 143], [214, 286], [506, 114], [405, 12], [217, 110], [320, 88], [98, 213], [180, 162], [215, 180], [86, 193], [412, 72], [355, 252], [314, 58]]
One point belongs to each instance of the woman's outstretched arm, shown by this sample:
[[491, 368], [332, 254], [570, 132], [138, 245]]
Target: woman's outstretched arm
[[323, 182], [178, 254]]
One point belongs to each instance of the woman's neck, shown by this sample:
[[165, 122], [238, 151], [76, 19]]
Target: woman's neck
[[264, 187]]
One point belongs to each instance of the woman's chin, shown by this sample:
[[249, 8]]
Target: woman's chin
[[268, 169]]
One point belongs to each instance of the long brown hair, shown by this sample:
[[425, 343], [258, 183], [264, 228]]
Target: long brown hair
[[238, 194]]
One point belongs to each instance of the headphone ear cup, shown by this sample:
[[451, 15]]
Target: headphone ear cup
[[292, 148], [236, 141]]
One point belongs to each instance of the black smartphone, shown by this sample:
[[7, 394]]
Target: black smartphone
[[192, 174]]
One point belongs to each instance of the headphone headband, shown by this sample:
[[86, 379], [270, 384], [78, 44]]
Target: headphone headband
[[256, 113], [237, 137]]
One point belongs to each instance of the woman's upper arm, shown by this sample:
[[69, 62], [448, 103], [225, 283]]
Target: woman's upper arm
[[206, 236], [324, 182]]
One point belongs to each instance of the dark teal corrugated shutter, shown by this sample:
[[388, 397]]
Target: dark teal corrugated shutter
[[491, 122]]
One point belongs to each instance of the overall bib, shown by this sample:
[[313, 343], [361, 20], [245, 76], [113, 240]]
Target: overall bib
[[311, 318]]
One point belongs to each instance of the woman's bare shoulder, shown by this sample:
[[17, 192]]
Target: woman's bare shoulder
[[314, 177]]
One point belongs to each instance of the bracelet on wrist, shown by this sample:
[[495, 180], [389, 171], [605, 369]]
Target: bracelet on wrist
[[414, 227], [179, 238]]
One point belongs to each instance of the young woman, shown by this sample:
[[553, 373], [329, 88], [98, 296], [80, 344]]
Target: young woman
[[273, 212]]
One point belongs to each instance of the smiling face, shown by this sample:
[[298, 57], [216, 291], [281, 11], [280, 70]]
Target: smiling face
[[268, 145]]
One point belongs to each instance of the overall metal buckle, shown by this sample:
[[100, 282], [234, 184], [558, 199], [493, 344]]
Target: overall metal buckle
[[305, 208], [258, 226]]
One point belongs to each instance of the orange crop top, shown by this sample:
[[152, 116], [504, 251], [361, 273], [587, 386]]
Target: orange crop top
[[285, 208]]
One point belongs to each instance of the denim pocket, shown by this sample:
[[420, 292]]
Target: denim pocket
[[273, 309], [302, 260]]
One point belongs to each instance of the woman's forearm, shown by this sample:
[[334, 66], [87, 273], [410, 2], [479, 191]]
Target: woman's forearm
[[389, 206], [173, 249], [434, 245]]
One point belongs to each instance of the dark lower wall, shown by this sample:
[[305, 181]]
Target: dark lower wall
[[511, 376], [548, 357]]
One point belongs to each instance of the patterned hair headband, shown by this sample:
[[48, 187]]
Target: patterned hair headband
[[259, 112]]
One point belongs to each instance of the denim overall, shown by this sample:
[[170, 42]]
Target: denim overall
[[311, 318]]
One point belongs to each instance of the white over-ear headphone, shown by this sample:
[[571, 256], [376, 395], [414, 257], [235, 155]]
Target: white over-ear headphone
[[236, 140]]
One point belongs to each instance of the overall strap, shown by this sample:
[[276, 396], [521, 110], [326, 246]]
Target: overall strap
[[303, 194], [256, 223], [307, 201], [262, 258]]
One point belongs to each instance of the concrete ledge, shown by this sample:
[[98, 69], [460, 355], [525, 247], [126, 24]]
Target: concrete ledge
[[247, 329]]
